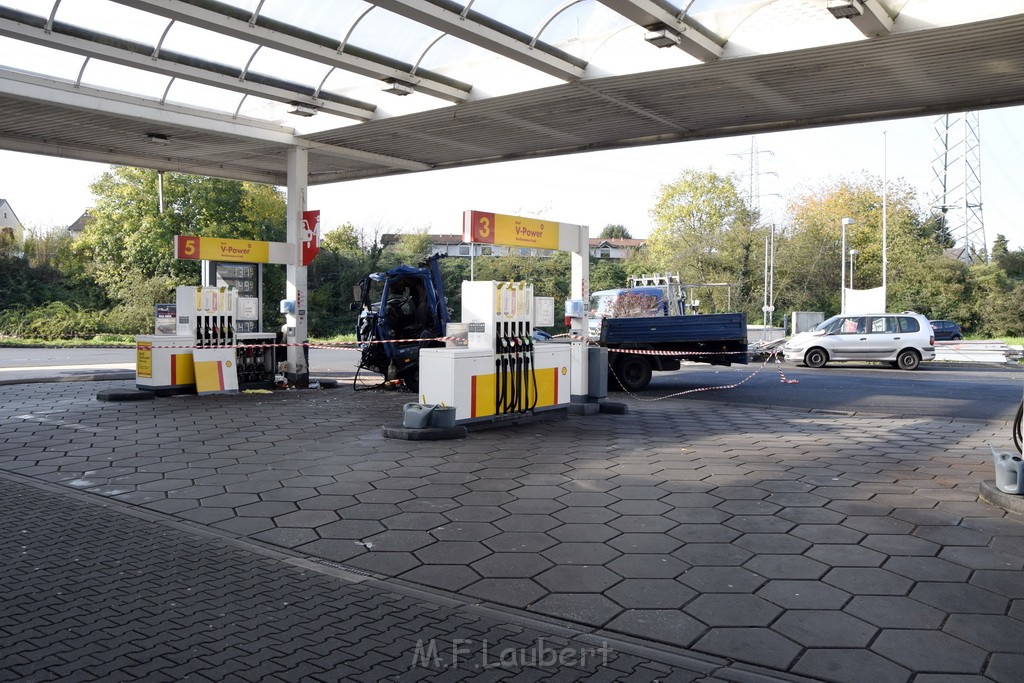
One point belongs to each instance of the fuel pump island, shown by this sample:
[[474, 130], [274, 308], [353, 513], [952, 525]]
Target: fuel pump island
[[502, 373]]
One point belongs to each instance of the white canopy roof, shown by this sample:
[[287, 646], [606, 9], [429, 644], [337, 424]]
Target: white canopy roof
[[226, 87]]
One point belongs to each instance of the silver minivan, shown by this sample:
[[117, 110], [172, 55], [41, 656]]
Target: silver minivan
[[901, 339]]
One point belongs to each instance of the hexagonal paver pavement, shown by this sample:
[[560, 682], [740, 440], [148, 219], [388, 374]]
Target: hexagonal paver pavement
[[843, 548]]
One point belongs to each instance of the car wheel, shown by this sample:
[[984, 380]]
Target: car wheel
[[908, 360], [633, 373], [815, 358], [956, 337]]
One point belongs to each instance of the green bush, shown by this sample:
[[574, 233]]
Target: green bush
[[58, 320]]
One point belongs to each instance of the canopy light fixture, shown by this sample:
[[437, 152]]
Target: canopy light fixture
[[845, 9], [397, 87], [158, 139], [663, 37], [300, 109]]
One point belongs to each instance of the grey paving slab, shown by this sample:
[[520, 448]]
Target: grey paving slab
[[769, 537], [182, 613]]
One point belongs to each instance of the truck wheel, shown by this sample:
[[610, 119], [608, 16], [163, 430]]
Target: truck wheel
[[908, 360], [815, 358], [634, 373]]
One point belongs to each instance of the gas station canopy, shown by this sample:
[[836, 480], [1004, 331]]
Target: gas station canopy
[[226, 87]]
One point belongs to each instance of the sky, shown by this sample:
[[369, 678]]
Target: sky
[[601, 188]]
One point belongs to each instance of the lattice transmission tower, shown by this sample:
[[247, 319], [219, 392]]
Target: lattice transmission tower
[[957, 183], [754, 174]]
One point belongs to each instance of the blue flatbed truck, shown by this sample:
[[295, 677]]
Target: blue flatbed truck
[[716, 338]]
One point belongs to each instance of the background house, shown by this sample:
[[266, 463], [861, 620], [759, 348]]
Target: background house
[[613, 249], [79, 225], [10, 226]]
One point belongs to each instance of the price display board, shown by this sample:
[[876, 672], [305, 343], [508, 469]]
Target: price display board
[[247, 279]]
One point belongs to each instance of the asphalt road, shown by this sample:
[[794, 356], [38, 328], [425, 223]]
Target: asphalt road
[[972, 391]]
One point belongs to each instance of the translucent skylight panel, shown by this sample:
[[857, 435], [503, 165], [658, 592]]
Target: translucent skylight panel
[[522, 16], [699, 6], [388, 34], [579, 25], [109, 76], [203, 96], [45, 61], [451, 53], [342, 82], [271, 62], [332, 19], [213, 47], [112, 19]]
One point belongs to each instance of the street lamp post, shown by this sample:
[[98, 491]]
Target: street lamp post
[[842, 262]]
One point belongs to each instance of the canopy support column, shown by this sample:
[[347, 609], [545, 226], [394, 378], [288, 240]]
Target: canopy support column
[[297, 291]]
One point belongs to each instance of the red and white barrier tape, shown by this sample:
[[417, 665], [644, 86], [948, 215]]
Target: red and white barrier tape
[[716, 388], [350, 346]]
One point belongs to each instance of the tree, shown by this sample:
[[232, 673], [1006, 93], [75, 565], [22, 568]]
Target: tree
[[937, 228], [809, 259], [131, 241], [693, 214], [706, 233], [412, 247], [1000, 247], [130, 234], [615, 232]]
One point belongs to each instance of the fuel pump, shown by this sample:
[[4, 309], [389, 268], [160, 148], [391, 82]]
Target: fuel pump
[[501, 372]]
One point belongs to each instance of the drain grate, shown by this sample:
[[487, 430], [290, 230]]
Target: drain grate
[[342, 567], [831, 412]]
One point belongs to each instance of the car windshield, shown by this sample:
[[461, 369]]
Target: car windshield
[[601, 304], [826, 324]]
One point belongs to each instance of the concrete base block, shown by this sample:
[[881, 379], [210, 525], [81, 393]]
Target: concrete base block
[[425, 434], [613, 408], [124, 395], [577, 409], [1007, 501]]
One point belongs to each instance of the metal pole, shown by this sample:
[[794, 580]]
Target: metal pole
[[885, 218], [764, 329], [771, 277], [842, 274], [842, 261]]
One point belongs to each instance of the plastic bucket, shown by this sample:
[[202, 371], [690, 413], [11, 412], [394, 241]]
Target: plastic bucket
[[416, 415], [443, 416]]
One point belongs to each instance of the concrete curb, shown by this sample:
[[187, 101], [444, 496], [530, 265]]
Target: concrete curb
[[1007, 501]]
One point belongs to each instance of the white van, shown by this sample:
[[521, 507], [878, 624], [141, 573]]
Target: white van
[[901, 339]]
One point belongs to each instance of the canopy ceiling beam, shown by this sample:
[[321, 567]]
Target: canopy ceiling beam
[[656, 15], [100, 46], [226, 20], [23, 86]]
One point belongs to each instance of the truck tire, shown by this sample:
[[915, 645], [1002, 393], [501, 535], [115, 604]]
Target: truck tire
[[633, 372], [816, 358]]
